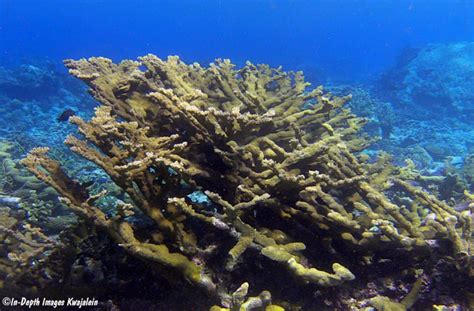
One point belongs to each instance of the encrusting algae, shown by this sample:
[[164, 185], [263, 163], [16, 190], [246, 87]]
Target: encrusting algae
[[278, 162]]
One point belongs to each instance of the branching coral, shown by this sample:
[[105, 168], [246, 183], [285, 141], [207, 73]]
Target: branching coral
[[21, 245], [22, 190], [239, 301], [278, 176]]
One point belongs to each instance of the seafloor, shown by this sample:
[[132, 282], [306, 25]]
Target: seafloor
[[189, 188]]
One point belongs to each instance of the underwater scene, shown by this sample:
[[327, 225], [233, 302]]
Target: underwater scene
[[237, 155]]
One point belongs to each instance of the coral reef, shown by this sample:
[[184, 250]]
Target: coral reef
[[468, 170], [32, 96], [435, 78], [438, 146], [22, 246], [21, 190], [287, 194], [239, 301], [26, 81], [39, 81], [380, 114], [430, 89]]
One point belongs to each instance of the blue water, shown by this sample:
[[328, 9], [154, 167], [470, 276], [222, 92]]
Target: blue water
[[338, 39]]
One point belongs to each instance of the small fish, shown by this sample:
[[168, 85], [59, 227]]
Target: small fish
[[66, 114]]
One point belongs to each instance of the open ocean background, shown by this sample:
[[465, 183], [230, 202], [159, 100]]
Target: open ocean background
[[341, 40]]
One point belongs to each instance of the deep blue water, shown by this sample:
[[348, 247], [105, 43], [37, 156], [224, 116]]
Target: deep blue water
[[337, 39]]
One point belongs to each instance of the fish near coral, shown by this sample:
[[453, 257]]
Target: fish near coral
[[65, 115]]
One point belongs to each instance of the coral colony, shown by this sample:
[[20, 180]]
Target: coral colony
[[249, 185]]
